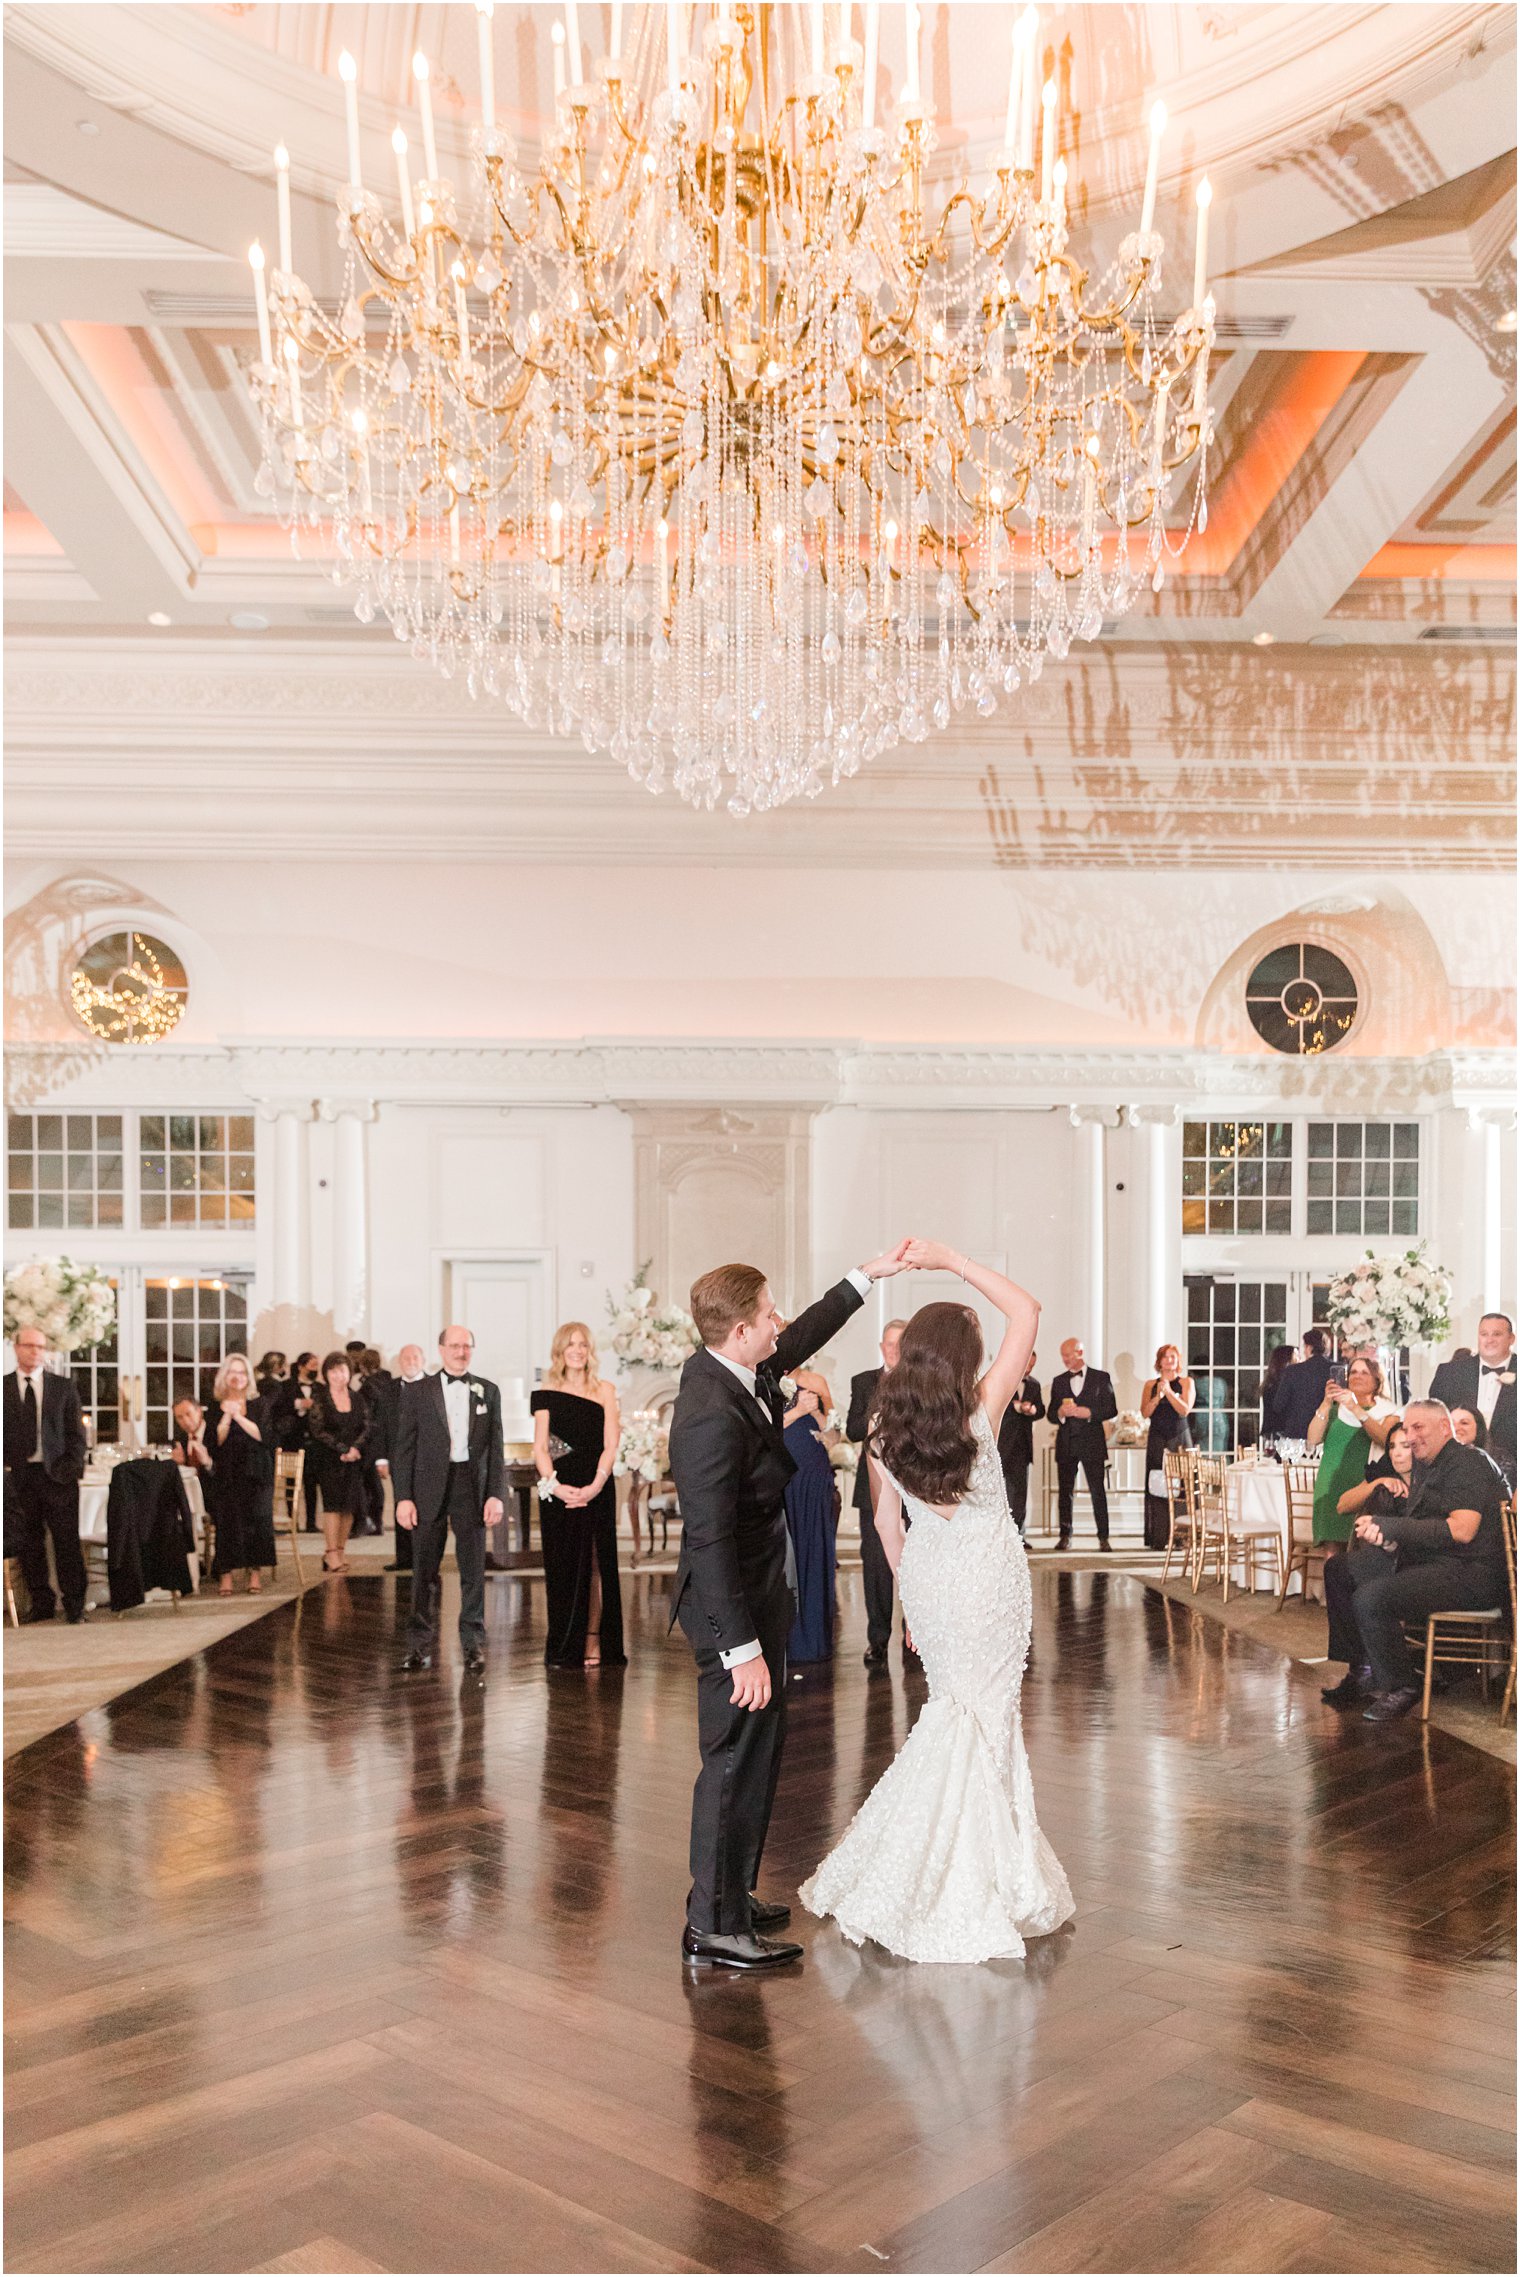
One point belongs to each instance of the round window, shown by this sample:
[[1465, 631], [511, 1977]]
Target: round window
[[1302, 999], [127, 988]]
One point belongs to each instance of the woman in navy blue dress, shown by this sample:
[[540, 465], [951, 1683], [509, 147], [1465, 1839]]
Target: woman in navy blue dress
[[812, 1519]]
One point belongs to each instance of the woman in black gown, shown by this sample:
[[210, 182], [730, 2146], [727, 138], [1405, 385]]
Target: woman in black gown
[[1166, 1403], [239, 1487], [340, 1430], [578, 1519]]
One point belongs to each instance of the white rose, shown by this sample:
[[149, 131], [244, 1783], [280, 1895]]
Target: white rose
[[642, 1299]]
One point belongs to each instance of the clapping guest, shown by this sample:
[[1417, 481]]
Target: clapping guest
[[1279, 1361], [578, 1513], [239, 1486], [190, 1449], [340, 1434], [1350, 1425], [1166, 1403], [1016, 1442]]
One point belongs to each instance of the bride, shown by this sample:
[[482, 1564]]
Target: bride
[[945, 1861]]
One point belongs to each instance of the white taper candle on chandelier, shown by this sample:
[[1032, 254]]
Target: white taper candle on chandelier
[[487, 66], [1201, 367], [461, 310], [615, 52], [260, 300], [404, 182], [282, 201], [1015, 86], [557, 51], [423, 79], [1048, 142], [1058, 186], [293, 372], [675, 44], [1152, 169], [1029, 82], [868, 75], [348, 72], [573, 43], [817, 42], [1201, 244], [910, 82]]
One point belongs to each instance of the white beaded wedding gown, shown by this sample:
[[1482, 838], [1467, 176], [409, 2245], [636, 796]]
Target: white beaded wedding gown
[[944, 1860]]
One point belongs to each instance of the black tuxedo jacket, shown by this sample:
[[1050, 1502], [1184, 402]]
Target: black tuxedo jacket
[[731, 1470], [1299, 1392], [1456, 1381], [1074, 1440], [382, 1393], [1016, 1437], [420, 1460], [857, 1423], [65, 1450]]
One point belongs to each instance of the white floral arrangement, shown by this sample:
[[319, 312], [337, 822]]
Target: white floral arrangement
[[644, 1450], [73, 1305], [1391, 1301], [845, 1455], [1130, 1429], [647, 1333]]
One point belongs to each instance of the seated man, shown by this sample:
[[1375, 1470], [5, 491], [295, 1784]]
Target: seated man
[[1449, 1557]]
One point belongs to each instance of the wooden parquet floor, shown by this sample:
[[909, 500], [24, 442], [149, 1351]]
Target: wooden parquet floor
[[312, 1966]]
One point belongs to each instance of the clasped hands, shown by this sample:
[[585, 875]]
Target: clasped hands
[[492, 1514]]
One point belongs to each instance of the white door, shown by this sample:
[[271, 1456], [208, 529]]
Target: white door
[[504, 1301]]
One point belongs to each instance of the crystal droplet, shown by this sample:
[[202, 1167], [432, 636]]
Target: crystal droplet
[[487, 275], [815, 499], [797, 562], [832, 647], [1203, 513], [561, 449], [828, 443], [1159, 579], [855, 607], [399, 377]]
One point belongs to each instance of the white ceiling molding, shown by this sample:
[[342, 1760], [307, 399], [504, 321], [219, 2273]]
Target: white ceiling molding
[[44, 223]]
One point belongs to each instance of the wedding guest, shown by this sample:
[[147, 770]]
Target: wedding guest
[[386, 1415], [810, 1520], [1470, 1430], [373, 1379], [875, 1573], [269, 1374], [339, 1430], [1016, 1442], [239, 1487], [290, 1419], [1350, 1425], [449, 1469], [1301, 1387], [1449, 1557], [190, 1449], [1269, 1392], [577, 1517], [1167, 1404], [1385, 1490], [45, 1455], [1081, 1402], [1485, 1381]]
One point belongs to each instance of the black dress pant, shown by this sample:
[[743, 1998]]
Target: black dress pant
[[1092, 1466], [741, 1760], [429, 1539], [877, 1576], [49, 1508], [1376, 1601], [310, 1493], [1016, 1479]]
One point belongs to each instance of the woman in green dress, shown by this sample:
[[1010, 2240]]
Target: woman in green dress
[[1350, 1426]]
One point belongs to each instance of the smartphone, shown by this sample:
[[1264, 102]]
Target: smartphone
[[1337, 1373]]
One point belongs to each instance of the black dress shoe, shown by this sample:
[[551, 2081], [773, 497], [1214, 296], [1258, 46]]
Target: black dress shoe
[[1105, 1544], [416, 1660], [745, 1951], [1351, 1691], [1064, 1542], [763, 1916], [876, 1656], [1388, 1706], [31, 1614], [475, 1663], [75, 1616], [392, 1565]]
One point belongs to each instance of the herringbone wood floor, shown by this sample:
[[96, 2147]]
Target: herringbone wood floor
[[316, 1967]]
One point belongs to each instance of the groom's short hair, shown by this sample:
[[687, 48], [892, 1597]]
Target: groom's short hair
[[722, 1298]]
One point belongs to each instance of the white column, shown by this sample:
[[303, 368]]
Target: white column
[[1160, 1272], [1493, 1215], [292, 1266], [350, 1213], [1092, 1197]]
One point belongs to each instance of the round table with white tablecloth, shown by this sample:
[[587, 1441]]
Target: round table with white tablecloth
[[1256, 1495]]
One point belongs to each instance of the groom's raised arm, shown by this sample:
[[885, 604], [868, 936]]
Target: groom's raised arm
[[707, 1452], [802, 1337]]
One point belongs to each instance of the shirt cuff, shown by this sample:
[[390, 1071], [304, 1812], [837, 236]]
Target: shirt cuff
[[859, 1281], [741, 1653]]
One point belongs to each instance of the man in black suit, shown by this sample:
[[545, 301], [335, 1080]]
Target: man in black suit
[[1301, 1387], [1485, 1381], [1016, 1443], [410, 1369], [1081, 1402], [733, 1594], [289, 1419], [875, 1571], [45, 1454], [449, 1468]]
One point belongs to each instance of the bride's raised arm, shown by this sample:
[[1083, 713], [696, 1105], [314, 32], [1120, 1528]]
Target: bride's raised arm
[[1019, 1309]]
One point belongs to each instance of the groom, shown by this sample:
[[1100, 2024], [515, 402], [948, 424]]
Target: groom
[[733, 1593]]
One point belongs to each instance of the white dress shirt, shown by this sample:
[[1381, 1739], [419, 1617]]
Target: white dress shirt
[[1077, 1382], [35, 1380], [1489, 1387], [456, 1400], [858, 1281]]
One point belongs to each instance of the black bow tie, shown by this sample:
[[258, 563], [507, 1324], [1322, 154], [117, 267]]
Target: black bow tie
[[1488, 1371], [448, 1379]]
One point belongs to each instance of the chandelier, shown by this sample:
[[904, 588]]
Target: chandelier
[[705, 432]]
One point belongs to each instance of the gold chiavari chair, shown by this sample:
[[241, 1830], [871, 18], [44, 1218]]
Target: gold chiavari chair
[[289, 1470], [12, 1568], [1465, 1640], [1305, 1554], [1210, 1521], [1177, 1469], [1249, 1537]]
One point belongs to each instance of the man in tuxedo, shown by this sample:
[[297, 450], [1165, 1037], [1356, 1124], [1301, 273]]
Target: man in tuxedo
[[733, 1592], [289, 1418], [875, 1571], [411, 1367], [1081, 1402], [45, 1455], [1485, 1382], [1016, 1443], [1302, 1387], [449, 1468]]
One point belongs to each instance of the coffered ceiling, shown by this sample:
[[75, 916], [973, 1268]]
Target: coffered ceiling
[[1363, 160]]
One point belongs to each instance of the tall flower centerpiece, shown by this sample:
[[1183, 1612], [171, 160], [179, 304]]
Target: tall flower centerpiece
[[73, 1305], [1391, 1301], [644, 1451], [647, 1333]]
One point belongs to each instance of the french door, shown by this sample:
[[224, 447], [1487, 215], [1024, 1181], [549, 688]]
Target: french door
[[172, 1332], [1235, 1323]]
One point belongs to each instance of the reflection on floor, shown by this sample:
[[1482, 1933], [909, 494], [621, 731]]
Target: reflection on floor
[[315, 1966]]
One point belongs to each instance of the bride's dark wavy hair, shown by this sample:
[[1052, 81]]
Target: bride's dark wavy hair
[[921, 1429]]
